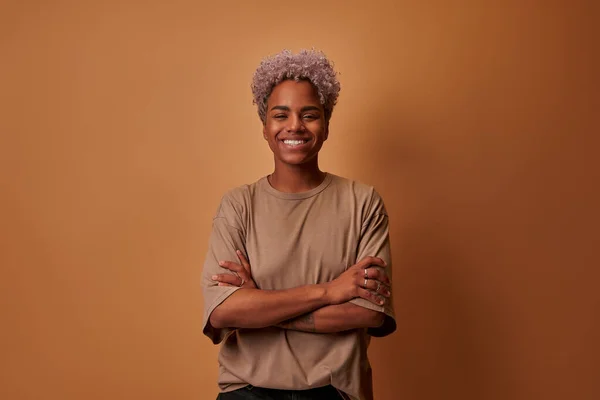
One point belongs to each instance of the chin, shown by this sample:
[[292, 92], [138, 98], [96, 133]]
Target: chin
[[296, 160]]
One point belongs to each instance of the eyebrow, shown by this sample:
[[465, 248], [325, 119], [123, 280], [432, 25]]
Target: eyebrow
[[303, 109]]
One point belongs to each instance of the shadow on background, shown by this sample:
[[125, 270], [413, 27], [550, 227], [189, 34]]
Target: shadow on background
[[455, 255]]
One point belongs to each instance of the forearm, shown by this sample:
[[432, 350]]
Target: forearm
[[335, 318], [255, 308]]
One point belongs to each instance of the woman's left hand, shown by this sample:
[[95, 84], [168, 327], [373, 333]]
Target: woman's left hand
[[242, 271]]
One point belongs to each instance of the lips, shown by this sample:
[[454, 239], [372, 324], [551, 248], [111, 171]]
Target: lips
[[296, 143]]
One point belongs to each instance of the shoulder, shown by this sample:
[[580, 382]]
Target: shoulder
[[237, 200], [237, 195], [366, 195]]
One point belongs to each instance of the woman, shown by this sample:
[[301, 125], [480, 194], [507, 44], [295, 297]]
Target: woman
[[297, 275]]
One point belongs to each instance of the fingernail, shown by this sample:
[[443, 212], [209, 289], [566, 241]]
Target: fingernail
[[381, 302], [221, 263], [214, 277], [239, 252]]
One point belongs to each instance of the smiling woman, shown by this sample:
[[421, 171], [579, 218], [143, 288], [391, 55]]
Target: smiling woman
[[298, 273], [295, 125]]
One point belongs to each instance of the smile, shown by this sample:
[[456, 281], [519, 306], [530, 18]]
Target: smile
[[295, 142]]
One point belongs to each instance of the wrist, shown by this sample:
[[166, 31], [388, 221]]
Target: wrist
[[323, 293]]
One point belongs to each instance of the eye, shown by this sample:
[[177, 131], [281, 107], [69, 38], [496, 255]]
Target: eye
[[311, 116], [280, 116]]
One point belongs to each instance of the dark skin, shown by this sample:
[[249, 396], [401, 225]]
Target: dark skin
[[295, 129], [295, 112], [338, 316]]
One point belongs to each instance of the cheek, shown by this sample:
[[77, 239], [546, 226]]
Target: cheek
[[270, 132], [270, 138]]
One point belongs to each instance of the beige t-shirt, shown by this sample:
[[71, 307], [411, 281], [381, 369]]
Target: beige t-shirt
[[295, 239]]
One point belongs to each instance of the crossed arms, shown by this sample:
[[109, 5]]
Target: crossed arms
[[345, 303], [323, 308]]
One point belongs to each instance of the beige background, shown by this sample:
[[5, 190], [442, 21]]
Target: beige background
[[122, 124]]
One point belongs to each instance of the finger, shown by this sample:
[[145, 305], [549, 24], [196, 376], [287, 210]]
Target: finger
[[372, 297], [376, 287], [364, 263], [226, 284], [243, 260], [382, 290], [368, 261], [378, 274], [228, 279], [230, 265]]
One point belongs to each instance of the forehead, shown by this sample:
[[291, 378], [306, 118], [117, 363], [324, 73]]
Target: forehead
[[294, 93]]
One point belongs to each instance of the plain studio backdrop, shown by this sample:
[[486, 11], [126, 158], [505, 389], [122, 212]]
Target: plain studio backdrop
[[123, 123]]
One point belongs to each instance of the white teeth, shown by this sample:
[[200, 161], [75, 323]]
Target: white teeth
[[294, 142]]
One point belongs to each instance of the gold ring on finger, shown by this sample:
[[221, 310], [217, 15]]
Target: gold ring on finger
[[365, 283], [378, 286], [366, 274]]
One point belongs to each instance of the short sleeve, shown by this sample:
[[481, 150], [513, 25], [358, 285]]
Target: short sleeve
[[375, 242], [226, 237]]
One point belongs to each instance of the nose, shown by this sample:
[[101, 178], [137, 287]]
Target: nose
[[295, 124]]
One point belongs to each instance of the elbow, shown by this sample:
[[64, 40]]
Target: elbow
[[216, 319], [376, 319], [226, 315], [368, 318]]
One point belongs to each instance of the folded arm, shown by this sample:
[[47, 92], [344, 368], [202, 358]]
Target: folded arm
[[303, 307], [335, 318], [250, 307], [255, 308]]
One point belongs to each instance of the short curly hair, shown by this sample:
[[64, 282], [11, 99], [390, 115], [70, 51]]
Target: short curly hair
[[310, 65]]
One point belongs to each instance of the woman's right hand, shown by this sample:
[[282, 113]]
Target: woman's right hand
[[243, 273], [363, 280]]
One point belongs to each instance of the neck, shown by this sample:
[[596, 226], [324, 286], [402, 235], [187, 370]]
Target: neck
[[296, 178]]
